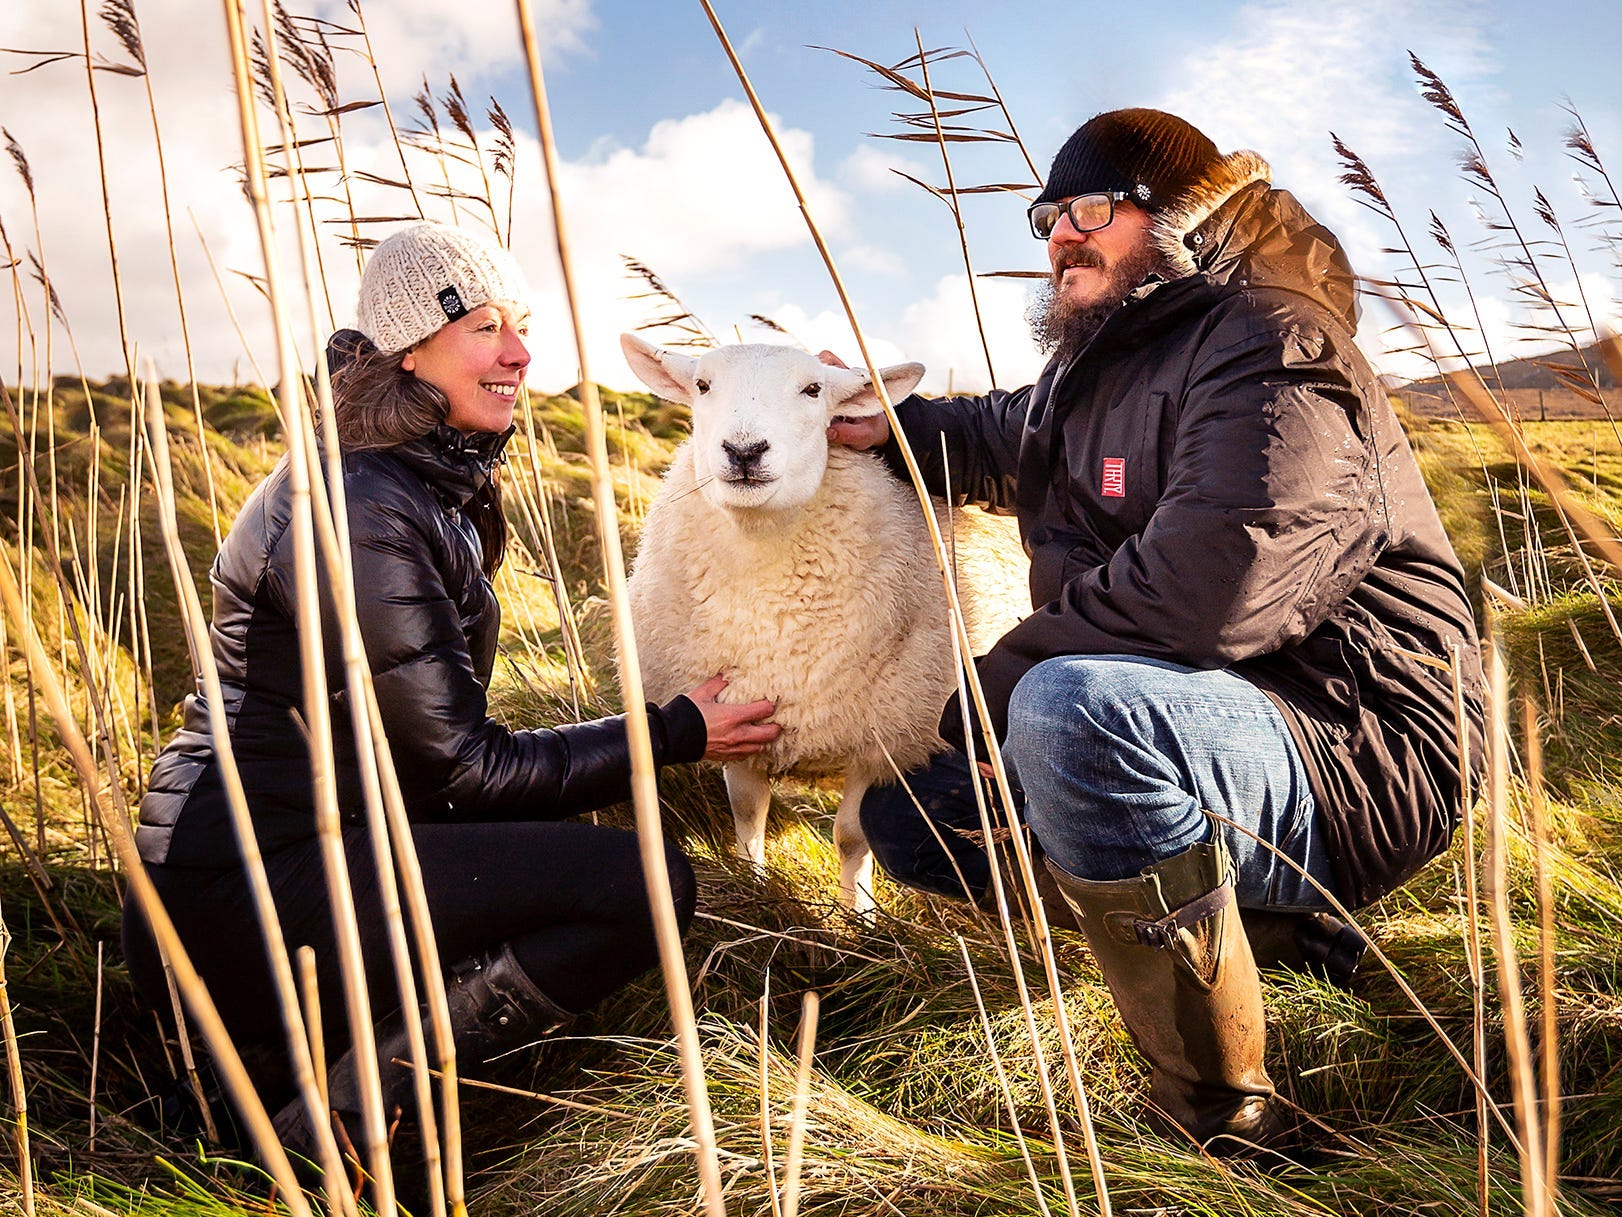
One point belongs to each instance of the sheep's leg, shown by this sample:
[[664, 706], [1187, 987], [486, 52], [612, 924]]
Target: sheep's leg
[[855, 858], [750, 794]]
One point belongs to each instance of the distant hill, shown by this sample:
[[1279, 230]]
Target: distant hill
[[1553, 385]]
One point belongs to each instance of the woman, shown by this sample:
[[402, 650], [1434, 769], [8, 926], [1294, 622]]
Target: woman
[[536, 920]]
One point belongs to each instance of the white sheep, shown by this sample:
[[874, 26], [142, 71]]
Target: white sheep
[[801, 570]]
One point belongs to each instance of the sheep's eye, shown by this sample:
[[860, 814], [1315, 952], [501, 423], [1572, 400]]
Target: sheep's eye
[[812, 389], [703, 386]]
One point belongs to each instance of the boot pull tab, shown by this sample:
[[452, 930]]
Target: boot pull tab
[[1162, 934]]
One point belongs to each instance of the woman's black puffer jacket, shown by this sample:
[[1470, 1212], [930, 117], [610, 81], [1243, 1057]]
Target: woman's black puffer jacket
[[429, 621]]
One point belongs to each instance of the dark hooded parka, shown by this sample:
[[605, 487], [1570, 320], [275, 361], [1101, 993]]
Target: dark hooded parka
[[1218, 480]]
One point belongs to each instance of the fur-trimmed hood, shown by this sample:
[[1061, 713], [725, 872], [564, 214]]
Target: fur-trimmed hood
[[1233, 226], [1180, 218]]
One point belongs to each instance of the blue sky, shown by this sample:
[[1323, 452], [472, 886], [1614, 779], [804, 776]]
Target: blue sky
[[663, 162]]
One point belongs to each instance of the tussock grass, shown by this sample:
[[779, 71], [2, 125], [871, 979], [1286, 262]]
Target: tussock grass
[[1564, 651], [902, 1079], [900, 1040], [905, 1110]]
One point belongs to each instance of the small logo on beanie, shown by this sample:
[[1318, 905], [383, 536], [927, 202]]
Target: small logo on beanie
[[1114, 481], [1142, 191], [451, 301]]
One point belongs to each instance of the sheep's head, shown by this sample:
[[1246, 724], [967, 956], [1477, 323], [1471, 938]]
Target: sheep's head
[[761, 414]]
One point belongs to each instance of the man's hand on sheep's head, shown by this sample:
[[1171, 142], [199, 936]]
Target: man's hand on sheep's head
[[735, 731], [858, 433]]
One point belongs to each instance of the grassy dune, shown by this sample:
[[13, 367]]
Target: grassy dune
[[908, 1110]]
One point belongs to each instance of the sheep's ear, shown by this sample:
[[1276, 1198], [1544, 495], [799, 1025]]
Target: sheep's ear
[[852, 393], [667, 373]]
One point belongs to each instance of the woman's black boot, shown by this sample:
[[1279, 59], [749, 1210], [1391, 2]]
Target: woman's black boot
[[494, 1007]]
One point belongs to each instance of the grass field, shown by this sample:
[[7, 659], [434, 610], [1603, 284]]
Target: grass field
[[908, 1110]]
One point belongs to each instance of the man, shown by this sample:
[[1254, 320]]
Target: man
[[1245, 604]]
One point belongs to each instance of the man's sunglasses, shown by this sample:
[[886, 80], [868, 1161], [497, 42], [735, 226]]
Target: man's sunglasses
[[1087, 212]]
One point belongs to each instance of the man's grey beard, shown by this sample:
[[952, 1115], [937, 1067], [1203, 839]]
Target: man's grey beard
[[1064, 329]]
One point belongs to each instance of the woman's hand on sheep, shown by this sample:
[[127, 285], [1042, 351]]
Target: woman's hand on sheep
[[734, 730], [858, 433]]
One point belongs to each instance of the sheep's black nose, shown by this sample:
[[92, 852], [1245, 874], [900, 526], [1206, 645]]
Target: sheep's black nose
[[743, 456]]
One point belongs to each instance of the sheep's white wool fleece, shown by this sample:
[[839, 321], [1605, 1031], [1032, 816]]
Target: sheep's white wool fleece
[[835, 611]]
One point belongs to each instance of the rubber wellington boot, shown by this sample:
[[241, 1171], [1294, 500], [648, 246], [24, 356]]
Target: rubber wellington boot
[[1174, 954], [494, 1006]]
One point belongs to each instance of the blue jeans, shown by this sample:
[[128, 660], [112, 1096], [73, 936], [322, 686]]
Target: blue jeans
[[1117, 758]]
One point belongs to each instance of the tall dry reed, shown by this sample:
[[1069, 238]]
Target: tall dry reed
[[644, 787], [1522, 1071], [311, 654]]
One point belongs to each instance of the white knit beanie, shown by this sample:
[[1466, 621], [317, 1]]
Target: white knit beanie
[[423, 276]]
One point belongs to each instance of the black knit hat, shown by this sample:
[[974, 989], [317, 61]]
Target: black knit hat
[[1149, 155]]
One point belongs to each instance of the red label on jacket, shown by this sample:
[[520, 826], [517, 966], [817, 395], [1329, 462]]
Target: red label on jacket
[[1114, 483]]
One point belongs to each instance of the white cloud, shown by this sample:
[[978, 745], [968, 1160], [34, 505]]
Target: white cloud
[[406, 35], [1287, 76], [1517, 331], [704, 191], [48, 113], [940, 331], [701, 194], [699, 197], [870, 170], [1604, 296], [872, 258]]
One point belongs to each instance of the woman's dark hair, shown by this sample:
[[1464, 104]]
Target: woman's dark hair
[[378, 404]]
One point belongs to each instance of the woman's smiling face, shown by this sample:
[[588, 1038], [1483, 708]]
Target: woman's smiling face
[[477, 361]]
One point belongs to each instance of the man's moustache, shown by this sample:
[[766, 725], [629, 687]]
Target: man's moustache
[[1077, 256]]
